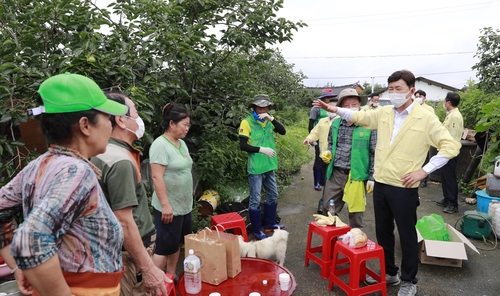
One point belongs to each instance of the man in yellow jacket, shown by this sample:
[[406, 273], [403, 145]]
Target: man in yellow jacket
[[405, 133], [373, 103], [454, 123], [421, 97]]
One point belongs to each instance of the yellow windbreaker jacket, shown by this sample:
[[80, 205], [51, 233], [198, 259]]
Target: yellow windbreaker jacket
[[420, 130], [320, 132]]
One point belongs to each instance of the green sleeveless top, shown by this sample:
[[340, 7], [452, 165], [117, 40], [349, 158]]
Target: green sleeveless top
[[259, 163], [360, 151]]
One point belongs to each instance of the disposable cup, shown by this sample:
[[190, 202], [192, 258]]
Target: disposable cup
[[284, 281]]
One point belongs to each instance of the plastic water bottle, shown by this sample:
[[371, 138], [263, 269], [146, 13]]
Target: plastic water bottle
[[331, 207], [192, 273]]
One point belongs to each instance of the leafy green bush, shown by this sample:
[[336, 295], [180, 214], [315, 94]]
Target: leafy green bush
[[291, 154], [199, 222]]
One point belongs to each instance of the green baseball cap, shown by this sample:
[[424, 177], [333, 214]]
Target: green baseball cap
[[69, 92]]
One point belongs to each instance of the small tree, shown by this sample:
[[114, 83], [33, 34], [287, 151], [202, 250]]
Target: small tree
[[488, 53], [488, 71]]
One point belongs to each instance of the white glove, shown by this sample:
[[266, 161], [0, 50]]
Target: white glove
[[369, 186], [267, 151], [266, 116]]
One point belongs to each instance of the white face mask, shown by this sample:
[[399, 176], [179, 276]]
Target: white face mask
[[331, 114], [375, 104], [354, 109], [418, 100], [398, 100], [140, 127], [444, 106]]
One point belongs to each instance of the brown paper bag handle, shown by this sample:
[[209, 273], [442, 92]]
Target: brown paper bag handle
[[217, 229], [204, 233]]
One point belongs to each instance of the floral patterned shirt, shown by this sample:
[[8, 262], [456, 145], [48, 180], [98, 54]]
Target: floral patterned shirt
[[65, 213]]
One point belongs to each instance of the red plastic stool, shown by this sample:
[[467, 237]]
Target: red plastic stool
[[357, 269], [231, 220], [329, 235]]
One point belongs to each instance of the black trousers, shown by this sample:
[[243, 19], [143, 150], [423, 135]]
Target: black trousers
[[396, 204], [449, 182], [319, 164]]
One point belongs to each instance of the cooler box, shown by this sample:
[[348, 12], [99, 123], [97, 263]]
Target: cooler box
[[476, 224], [483, 201]]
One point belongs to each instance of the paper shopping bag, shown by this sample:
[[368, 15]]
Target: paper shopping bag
[[233, 259], [212, 255]]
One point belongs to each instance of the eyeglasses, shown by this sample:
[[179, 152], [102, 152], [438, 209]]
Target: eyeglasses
[[166, 108]]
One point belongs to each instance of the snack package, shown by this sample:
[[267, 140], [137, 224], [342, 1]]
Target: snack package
[[355, 238]]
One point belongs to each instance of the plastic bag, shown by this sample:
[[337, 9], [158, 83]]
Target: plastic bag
[[432, 228], [355, 238]]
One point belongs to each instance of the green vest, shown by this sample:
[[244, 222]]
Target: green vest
[[360, 151], [259, 163], [322, 114]]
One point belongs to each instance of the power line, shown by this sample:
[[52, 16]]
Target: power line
[[400, 12], [394, 15], [384, 56], [384, 76]]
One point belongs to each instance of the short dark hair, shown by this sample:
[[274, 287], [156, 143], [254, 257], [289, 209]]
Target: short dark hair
[[406, 75], [453, 98], [173, 112], [58, 128], [119, 98], [374, 95], [421, 92]]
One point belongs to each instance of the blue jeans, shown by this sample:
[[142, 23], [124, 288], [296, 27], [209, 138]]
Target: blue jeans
[[268, 180]]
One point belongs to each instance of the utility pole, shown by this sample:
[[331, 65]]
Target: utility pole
[[373, 79]]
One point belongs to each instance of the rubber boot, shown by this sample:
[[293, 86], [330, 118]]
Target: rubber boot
[[256, 224], [317, 178], [270, 218]]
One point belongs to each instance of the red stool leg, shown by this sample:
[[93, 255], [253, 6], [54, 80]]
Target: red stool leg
[[308, 247]]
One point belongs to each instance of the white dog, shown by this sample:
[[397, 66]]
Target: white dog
[[271, 247]]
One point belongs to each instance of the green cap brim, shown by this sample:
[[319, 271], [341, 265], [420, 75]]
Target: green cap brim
[[112, 108]]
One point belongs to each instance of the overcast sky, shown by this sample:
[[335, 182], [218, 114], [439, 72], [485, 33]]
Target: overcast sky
[[350, 41]]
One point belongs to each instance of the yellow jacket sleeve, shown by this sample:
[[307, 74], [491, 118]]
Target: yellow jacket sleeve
[[320, 133]]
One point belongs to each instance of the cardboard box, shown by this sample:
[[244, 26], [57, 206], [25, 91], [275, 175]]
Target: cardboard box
[[468, 134], [450, 253]]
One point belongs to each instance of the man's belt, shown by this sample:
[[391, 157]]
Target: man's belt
[[343, 171]]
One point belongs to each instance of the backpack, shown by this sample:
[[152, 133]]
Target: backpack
[[240, 208]]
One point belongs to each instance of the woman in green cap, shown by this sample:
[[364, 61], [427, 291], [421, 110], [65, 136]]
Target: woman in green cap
[[70, 242]]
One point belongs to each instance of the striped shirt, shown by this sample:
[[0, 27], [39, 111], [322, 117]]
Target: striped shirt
[[65, 213]]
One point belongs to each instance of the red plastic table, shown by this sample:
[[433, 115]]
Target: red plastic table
[[253, 272]]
